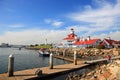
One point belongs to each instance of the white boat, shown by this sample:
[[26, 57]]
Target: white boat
[[44, 52]]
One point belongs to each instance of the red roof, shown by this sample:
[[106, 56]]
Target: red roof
[[119, 42], [87, 42], [70, 37], [79, 42], [110, 41]]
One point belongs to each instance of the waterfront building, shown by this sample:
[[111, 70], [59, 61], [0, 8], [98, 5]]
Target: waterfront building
[[5, 45], [73, 41], [71, 38], [87, 42], [109, 43]]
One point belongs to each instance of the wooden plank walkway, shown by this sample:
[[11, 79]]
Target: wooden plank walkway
[[100, 60], [64, 58], [30, 73]]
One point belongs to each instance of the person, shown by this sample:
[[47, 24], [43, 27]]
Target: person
[[108, 59]]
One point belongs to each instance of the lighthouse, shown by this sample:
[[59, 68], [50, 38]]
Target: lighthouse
[[72, 31], [45, 41], [70, 38]]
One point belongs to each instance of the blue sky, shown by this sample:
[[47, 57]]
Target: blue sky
[[32, 21]]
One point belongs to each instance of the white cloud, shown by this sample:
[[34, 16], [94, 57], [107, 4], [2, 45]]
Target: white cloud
[[16, 25], [112, 35], [104, 19], [33, 36], [48, 21], [39, 36], [105, 16], [12, 25], [55, 23]]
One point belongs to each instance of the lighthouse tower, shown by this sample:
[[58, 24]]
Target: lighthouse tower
[[72, 31], [71, 37]]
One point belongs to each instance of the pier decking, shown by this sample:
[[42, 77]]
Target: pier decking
[[30, 73]]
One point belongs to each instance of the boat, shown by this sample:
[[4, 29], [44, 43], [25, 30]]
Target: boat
[[44, 52], [20, 48]]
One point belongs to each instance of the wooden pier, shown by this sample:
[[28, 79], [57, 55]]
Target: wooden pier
[[64, 58], [100, 60], [47, 72], [30, 73]]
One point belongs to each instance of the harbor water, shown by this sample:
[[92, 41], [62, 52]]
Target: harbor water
[[25, 59]]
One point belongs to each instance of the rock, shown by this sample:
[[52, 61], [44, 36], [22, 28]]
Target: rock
[[118, 75], [115, 52], [118, 61], [106, 74], [101, 77], [90, 74]]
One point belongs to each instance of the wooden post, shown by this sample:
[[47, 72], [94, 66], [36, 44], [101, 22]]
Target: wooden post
[[75, 57], [57, 52], [51, 61], [63, 53], [11, 65]]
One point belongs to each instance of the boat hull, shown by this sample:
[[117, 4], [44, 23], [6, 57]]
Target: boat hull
[[44, 54]]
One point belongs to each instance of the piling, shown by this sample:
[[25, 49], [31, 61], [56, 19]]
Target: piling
[[57, 53], [11, 65], [63, 53], [75, 57], [51, 61]]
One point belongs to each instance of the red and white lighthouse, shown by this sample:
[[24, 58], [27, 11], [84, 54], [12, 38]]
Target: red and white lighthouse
[[71, 37]]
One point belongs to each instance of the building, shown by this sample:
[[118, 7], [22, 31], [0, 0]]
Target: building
[[74, 41], [70, 38], [82, 43], [109, 43], [5, 45]]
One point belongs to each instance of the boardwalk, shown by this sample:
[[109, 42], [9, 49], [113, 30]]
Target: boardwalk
[[64, 58], [100, 60], [30, 73]]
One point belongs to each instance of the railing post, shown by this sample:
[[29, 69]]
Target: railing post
[[75, 57], [51, 61], [11, 65]]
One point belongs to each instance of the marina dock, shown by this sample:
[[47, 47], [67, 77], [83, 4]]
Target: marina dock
[[30, 73], [47, 72]]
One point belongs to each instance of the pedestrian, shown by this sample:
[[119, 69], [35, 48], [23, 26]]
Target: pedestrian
[[108, 59]]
